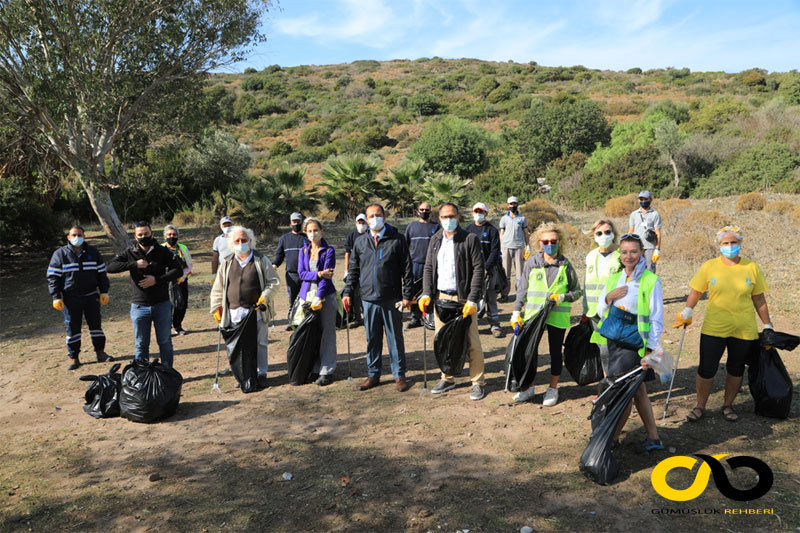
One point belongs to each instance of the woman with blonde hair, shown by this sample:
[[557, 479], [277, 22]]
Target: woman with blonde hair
[[547, 275], [736, 288]]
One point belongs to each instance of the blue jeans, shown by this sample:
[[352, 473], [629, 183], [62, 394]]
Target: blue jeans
[[380, 316], [160, 315], [75, 308]]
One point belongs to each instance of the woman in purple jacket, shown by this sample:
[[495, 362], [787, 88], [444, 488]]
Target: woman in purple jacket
[[315, 268]]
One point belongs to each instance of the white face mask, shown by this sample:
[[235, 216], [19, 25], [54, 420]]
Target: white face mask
[[226, 229], [314, 235], [449, 224], [76, 241], [376, 223], [242, 248], [478, 217], [604, 240]]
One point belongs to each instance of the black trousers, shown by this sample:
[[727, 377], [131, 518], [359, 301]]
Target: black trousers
[[178, 313], [293, 284]]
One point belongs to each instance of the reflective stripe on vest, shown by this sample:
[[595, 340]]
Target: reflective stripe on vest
[[537, 295], [646, 285], [596, 279]]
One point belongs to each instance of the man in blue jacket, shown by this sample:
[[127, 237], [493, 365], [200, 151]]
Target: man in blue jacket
[[381, 267], [289, 247], [418, 235], [489, 238], [78, 283]]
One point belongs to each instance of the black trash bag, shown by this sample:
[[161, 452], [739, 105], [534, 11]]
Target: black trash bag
[[426, 320], [522, 352], [451, 342], [497, 279], [770, 385], [597, 462], [102, 396], [149, 391], [241, 342], [304, 345], [176, 297], [776, 339], [582, 357]]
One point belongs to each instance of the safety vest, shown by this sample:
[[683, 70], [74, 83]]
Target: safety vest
[[537, 296], [596, 279], [646, 285], [183, 252]]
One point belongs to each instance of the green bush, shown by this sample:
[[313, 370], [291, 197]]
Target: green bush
[[760, 167], [671, 191], [318, 135], [754, 78], [25, 219], [484, 86], [253, 83], [624, 138], [677, 111], [503, 92], [217, 159], [634, 70], [280, 148], [424, 104], [714, 115], [453, 145], [245, 107], [375, 137], [790, 89]]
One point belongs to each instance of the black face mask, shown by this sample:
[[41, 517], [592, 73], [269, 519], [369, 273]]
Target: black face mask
[[513, 208], [297, 228], [645, 205], [425, 215], [172, 241], [147, 242]]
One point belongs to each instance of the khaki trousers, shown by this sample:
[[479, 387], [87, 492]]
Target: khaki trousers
[[513, 257], [474, 352]]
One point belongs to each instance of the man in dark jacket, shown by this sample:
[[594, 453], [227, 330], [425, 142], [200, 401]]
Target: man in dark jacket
[[354, 315], [289, 247], [152, 268], [490, 245], [454, 272], [77, 281], [381, 267], [418, 236]]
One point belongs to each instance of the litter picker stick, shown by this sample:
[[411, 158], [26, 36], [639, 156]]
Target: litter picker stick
[[424, 354], [619, 379], [511, 358], [216, 388], [674, 371], [349, 366]]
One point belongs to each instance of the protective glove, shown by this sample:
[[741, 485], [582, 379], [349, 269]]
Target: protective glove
[[470, 308], [344, 277], [58, 304], [516, 320], [768, 325], [423, 303], [399, 306], [527, 253], [218, 315], [684, 318], [180, 280], [347, 303], [261, 301], [656, 255], [584, 319], [557, 298], [316, 303], [104, 299]]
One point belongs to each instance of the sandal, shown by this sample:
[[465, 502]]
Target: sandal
[[729, 414], [652, 445], [696, 414]]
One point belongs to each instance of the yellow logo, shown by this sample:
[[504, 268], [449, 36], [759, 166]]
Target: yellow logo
[[659, 477], [710, 465]]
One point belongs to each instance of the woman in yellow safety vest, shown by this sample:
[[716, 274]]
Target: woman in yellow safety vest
[[547, 275], [601, 262], [632, 307]]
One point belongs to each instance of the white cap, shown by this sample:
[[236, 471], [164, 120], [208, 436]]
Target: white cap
[[480, 205], [225, 220], [361, 216], [512, 200]]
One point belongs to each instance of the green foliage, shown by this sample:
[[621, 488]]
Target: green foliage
[[484, 86], [453, 145], [624, 138], [350, 182], [280, 148], [439, 188], [343, 81], [505, 91], [790, 89], [676, 111], [253, 83], [217, 162], [315, 136], [672, 191], [245, 107], [24, 218], [375, 137], [754, 78], [634, 70], [760, 167], [424, 104], [402, 186], [714, 115]]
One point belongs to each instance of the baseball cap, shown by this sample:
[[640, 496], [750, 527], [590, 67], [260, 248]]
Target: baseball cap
[[361, 216], [225, 220], [512, 200], [480, 205], [296, 216], [645, 194]]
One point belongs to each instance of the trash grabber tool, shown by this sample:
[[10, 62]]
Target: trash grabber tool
[[674, 371], [216, 388], [349, 365], [424, 355], [510, 359]]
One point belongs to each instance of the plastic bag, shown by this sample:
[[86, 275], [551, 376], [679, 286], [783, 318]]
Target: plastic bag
[[176, 296], [149, 391], [102, 396], [776, 339], [523, 350], [303, 351], [597, 462], [581, 357], [770, 385], [661, 362], [241, 342], [451, 342]]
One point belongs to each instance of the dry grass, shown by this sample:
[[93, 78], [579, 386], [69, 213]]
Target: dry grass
[[695, 247], [575, 237], [710, 219], [621, 206], [538, 211], [796, 214], [779, 207], [752, 201], [674, 206]]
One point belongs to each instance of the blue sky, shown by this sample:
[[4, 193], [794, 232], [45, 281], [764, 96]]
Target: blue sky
[[608, 34]]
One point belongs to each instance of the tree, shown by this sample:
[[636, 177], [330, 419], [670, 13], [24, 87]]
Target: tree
[[86, 74], [350, 182], [668, 141], [439, 188], [217, 162], [402, 186], [453, 145]]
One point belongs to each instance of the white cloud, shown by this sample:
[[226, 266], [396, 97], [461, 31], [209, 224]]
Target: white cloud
[[628, 15]]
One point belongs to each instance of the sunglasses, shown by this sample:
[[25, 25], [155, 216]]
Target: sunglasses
[[606, 232], [424, 210], [552, 241], [630, 236]]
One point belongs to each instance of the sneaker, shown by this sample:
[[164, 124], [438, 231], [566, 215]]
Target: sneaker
[[103, 357], [477, 392], [413, 323], [182, 332], [525, 395], [443, 386], [652, 445], [497, 333], [324, 380], [312, 378], [262, 382], [550, 397], [74, 364]]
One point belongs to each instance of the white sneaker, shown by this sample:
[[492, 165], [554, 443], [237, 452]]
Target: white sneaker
[[524, 396], [550, 397]]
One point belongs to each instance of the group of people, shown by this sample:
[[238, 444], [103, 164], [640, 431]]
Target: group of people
[[388, 271]]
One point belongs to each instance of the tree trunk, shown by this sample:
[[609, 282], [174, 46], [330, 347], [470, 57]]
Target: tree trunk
[[104, 209], [674, 170]]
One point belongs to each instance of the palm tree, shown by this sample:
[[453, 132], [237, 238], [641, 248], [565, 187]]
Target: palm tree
[[350, 182], [439, 188], [403, 185]]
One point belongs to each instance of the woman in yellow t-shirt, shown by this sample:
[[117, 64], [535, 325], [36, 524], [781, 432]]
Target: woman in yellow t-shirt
[[735, 287]]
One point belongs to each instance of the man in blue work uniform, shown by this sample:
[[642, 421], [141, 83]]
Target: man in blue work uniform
[[490, 246], [78, 283], [289, 247], [418, 235]]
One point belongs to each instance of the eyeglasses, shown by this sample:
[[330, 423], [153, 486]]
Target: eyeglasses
[[630, 236], [551, 241], [606, 232]]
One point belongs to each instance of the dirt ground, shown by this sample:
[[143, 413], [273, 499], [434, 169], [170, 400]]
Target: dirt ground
[[360, 461]]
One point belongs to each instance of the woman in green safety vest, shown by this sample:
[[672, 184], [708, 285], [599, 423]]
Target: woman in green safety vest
[[601, 262], [547, 275], [632, 307]]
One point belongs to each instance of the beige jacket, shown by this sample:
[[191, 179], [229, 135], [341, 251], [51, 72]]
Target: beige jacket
[[268, 280]]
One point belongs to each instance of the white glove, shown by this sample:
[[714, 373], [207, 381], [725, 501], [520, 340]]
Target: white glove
[[399, 306], [686, 314], [316, 303], [515, 316], [768, 325]]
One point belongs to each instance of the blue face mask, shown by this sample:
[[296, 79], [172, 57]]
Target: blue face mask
[[449, 224], [730, 251], [76, 241], [242, 248], [550, 249]]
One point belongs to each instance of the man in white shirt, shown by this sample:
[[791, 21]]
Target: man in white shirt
[[220, 251]]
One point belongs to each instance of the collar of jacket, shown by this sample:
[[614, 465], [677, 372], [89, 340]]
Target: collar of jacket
[[322, 246], [390, 231], [538, 260]]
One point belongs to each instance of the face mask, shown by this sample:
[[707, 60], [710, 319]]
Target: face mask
[[76, 241], [376, 223], [146, 241], [226, 230], [604, 240], [314, 236], [172, 241], [644, 205], [513, 208], [449, 224], [297, 228], [550, 249], [425, 216], [242, 248], [362, 228], [478, 217], [730, 251]]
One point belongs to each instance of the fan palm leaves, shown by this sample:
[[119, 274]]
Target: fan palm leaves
[[402, 186], [439, 188], [350, 183]]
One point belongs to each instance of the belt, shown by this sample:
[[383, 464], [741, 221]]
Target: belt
[[449, 293]]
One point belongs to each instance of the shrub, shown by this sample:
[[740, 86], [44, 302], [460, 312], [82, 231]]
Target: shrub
[[796, 214], [24, 218], [634, 70], [677, 111], [217, 161], [751, 201], [672, 191], [693, 247], [253, 83], [759, 167], [578, 243], [453, 145], [315, 136], [375, 137], [424, 104], [484, 86], [710, 220], [674, 206], [245, 107], [621, 206], [714, 115], [199, 214], [754, 78], [779, 207], [539, 210], [503, 92], [280, 148], [343, 81]]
